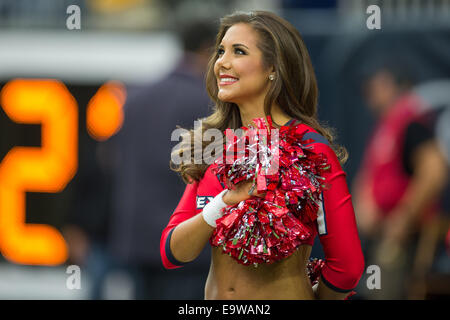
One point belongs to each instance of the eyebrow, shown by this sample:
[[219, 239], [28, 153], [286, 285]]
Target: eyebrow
[[235, 45]]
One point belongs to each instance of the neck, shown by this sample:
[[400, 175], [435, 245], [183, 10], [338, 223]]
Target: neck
[[251, 111]]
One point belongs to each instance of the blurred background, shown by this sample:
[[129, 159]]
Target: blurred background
[[86, 86]]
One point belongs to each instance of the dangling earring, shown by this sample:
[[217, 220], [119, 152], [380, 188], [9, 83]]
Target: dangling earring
[[271, 77]]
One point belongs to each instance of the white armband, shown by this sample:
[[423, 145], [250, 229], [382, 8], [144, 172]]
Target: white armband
[[213, 210]]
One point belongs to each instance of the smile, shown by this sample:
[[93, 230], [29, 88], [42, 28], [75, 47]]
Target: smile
[[227, 81]]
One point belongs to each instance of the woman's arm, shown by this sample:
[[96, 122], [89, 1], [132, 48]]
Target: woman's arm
[[188, 232], [338, 234], [323, 292], [189, 238]]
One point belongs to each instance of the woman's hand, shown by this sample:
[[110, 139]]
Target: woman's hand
[[242, 192]]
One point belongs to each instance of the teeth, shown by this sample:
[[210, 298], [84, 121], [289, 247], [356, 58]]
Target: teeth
[[228, 79]]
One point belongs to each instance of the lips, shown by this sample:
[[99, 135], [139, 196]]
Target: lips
[[226, 79]]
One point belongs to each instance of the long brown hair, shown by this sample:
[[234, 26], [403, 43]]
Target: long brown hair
[[294, 88]]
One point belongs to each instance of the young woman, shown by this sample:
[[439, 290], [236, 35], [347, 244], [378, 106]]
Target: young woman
[[261, 67]]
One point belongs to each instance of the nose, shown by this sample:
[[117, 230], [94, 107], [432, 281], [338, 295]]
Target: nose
[[224, 61]]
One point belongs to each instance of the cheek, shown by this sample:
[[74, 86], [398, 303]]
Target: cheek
[[254, 72]]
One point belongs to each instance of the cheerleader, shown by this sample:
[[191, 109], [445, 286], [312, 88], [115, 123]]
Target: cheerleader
[[261, 68]]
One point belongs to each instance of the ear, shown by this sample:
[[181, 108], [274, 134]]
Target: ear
[[270, 70], [272, 73]]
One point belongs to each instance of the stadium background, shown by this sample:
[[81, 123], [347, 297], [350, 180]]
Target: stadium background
[[123, 43]]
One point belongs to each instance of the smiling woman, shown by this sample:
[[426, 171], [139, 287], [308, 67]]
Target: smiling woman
[[240, 71], [261, 67]]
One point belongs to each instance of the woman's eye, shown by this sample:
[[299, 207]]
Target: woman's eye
[[236, 50]]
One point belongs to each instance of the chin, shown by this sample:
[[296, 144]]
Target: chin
[[226, 98]]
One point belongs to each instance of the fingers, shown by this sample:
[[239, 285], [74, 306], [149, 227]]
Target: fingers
[[255, 192], [261, 195], [249, 188]]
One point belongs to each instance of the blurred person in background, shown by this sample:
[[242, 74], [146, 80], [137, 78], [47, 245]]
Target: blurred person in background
[[402, 176], [144, 188]]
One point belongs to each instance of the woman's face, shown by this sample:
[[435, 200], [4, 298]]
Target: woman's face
[[239, 70]]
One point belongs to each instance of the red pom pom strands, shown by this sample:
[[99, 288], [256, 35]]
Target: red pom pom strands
[[314, 270], [265, 230]]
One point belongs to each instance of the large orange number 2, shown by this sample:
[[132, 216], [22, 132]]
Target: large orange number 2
[[33, 169]]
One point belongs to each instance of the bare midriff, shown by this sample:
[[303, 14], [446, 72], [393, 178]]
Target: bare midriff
[[284, 280]]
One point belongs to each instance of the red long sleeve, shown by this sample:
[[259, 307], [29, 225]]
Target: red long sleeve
[[194, 199], [184, 211], [338, 234]]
